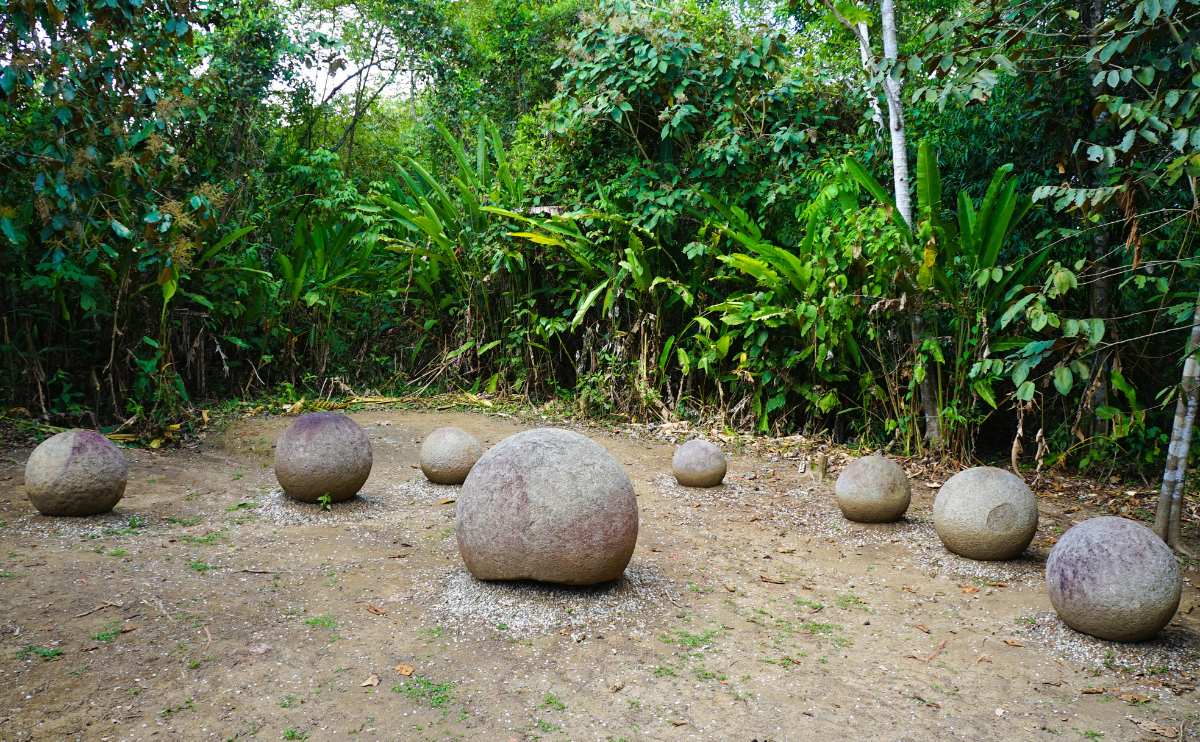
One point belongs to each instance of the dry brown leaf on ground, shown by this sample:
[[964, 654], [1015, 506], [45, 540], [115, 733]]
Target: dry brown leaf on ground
[[968, 589], [1155, 728], [1134, 699], [405, 670], [376, 610], [922, 628], [370, 682], [1013, 643], [447, 501], [772, 580], [1093, 690]]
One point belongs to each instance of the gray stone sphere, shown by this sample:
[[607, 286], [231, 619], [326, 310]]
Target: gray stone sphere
[[1114, 579], [448, 454], [323, 453], [76, 472], [985, 513], [699, 463], [547, 505], [873, 489]]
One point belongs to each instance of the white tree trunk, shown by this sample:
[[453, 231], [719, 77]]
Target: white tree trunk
[[900, 182], [1167, 523], [891, 84]]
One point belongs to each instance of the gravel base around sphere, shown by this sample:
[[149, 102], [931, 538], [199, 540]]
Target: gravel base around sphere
[[1114, 579], [530, 608], [699, 463], [323, 453], [985, 513], [76, 472], [547, 505], [1174, 650], [873, 489], [447, 455]]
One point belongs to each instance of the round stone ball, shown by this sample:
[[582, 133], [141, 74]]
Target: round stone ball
[[76, 472], [322, 453], [698, 463], [1114, 579], [985, 513], [547, 505], [873, 489], [448, 454]]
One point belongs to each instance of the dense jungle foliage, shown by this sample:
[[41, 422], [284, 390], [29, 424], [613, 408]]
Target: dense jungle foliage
[[674, 209]]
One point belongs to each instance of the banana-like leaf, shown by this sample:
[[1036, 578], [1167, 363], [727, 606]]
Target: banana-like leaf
[[929, 184], [752, 267], [223, 243], [872, 186], [587, 303]]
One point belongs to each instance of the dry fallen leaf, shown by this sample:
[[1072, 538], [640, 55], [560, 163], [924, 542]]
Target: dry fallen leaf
[[376, 610], [405, 670], [995, 583], [1155, 728], [1013, 643], [968, 589], [922, 628], [1093, 691], [772, 580], [447, 501], [1134, 699], [370, 682]]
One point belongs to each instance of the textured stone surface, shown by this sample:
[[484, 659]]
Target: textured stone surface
[[985, 513], [322, 453], [1114, 579], [447, 455], [698, 463], [77, 472], [548, 505], [873, 489]]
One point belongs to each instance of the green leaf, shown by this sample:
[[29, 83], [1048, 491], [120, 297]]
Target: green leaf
[[1025, 391], [121, 230], [1063, 380]]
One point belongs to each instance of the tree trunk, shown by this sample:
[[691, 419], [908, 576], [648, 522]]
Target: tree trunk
[[900, 183], [1167, 523]]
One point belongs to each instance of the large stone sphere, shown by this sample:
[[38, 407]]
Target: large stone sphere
[[547, 505], [985, 513], [323, 453], [873, 489], [448, 454], [698, 463], [76, 472], [1113, 578]]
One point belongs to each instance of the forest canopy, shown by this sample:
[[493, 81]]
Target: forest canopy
[[945, 226]]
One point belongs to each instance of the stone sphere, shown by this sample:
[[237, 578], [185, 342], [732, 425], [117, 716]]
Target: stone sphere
[[76, 472], [323, 453], [547, 505], [1114, 579], [698, 463], [873, 489], [448, 454], [985, 513]]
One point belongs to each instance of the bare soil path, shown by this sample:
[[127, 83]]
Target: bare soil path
[[208, 607]]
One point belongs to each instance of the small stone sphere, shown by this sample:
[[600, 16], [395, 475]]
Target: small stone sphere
[[448, 454], [548, 505], [873, 489], [322, 453], [76, 472], [985, 513], [698, 463], [1114, 579]]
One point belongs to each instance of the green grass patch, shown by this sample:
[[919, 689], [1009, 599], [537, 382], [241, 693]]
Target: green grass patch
[[321, 622], [422, 689]]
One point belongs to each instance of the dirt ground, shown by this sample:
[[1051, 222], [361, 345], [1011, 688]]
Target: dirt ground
[[208, 607]]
